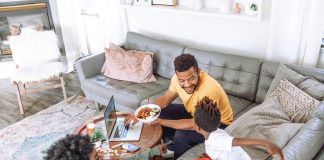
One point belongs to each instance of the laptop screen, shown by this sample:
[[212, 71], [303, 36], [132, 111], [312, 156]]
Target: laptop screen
[[110, 116]]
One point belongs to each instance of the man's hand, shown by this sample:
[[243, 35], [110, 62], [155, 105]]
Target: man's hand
[[130, 119], [275, 150]]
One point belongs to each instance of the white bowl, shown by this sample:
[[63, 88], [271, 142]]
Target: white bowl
[[151, 117]]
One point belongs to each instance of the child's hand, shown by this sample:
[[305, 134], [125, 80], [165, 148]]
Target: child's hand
[[163, 147], [204, 156], [275, 150]]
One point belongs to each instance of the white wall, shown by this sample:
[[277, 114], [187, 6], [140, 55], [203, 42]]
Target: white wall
[[225, 35], [279, 37]]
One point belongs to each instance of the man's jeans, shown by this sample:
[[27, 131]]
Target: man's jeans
[[182, 140]]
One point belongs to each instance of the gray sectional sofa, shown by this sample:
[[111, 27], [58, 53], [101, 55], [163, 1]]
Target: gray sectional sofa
[[245, 80]]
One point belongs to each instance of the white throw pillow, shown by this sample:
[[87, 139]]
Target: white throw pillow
[[35, 48]]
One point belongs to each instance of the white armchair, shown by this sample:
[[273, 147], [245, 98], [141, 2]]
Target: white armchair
[[37, 57]]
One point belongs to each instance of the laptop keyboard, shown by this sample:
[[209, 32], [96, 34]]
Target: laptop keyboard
[[121, 130]]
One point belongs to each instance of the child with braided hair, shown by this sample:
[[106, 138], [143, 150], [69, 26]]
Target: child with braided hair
[[219, 144]]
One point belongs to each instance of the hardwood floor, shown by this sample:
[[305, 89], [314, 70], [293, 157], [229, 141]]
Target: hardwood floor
[[33, 103]]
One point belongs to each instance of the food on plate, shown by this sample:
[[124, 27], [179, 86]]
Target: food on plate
[[147, 112]]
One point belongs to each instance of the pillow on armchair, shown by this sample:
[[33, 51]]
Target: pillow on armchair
[[131, 65]]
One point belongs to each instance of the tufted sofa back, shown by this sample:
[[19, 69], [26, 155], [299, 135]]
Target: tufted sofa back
[[165, 52], [236, 74]]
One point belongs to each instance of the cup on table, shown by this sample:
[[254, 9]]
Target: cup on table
[[90, 127]]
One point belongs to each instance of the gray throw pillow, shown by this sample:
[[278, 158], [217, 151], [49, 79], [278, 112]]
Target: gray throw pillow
[[297, 104], [313, 88], [307, 84]]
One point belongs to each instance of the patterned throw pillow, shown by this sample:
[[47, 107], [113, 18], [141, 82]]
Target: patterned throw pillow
[[296, 103], [128, 65]]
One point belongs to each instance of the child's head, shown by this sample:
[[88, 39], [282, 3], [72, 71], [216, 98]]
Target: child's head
[[207, 116], [73, 147]]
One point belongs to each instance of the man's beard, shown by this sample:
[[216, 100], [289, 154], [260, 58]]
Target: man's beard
[[193, 90]]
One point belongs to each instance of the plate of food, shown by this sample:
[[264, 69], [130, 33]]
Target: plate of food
[[148, 113]]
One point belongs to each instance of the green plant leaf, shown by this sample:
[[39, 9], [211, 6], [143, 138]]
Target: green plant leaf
[[254, 7], [97, 135]]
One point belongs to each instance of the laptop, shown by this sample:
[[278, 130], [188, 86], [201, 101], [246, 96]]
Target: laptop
[[116, 131]]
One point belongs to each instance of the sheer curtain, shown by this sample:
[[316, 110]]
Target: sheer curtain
[[73, 28], [113, 21], [70, 23], [104, 23], [295, 32], [312, 34]]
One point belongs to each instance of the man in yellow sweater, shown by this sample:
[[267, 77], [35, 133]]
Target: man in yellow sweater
[[191, 85]]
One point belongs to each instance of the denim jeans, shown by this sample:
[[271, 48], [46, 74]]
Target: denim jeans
[[182, 140]]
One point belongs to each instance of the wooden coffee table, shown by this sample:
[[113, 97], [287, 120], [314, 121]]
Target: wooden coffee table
[[150, 136]]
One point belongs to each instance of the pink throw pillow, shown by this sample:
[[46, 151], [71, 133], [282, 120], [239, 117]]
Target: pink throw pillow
[[131, 65]]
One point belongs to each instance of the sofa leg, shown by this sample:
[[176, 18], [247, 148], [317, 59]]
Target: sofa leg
[[19, 99]]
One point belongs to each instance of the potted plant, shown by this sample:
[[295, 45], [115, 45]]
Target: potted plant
[[96, 137], [251, 9]]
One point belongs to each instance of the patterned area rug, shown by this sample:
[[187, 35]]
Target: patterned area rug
[[28, 138]]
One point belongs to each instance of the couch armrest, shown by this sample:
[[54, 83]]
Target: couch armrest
[[307, 142], [89, 66]]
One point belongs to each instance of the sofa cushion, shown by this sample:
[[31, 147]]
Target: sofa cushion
[[236, 74], [297, 104], [267, 121], [128, 94], [269, 70], [131, 65], [238, 104], [267, 73], [194, 152], [246, 109], [165, 52]]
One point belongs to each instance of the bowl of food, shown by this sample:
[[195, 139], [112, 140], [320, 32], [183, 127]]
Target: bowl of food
[[148, 113]]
